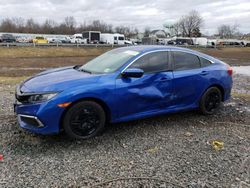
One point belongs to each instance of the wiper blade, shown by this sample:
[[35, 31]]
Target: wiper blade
[[77, 67], [83, 70]]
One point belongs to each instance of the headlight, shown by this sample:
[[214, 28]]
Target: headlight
[[41, 97]]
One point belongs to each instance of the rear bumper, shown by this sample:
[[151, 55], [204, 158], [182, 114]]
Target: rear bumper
[[227, 94], [228, 89]]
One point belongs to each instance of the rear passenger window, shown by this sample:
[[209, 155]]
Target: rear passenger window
[[205, 62], [185, 61], [153, 62]]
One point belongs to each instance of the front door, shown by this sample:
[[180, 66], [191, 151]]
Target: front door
[[153, 91]]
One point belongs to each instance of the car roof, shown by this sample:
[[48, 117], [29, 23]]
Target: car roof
[[148, 48]]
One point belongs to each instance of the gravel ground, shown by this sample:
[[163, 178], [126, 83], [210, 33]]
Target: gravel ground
[[167, 151]]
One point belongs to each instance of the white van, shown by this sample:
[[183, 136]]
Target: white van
[[119, 39]]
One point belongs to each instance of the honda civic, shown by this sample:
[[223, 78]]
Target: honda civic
[[121, 85]]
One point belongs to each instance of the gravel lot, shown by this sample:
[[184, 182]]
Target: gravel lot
[[167, 151]]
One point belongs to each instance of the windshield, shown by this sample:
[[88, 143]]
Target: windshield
[[108, 62]]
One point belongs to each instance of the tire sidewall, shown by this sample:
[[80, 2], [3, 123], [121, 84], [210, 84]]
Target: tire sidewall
[[75, 107], [203, 99]]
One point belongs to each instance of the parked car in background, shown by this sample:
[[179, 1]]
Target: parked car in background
[[22, 39], [128, 42], [78, 39], [121, 85], [171, 42], [7, 38], [40, 40], [54, 40], [65, 39]]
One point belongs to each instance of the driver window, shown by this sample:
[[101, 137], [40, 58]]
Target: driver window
[[152, 62]]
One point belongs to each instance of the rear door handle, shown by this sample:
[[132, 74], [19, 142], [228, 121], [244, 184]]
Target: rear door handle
[[203, 73], [164, 79]]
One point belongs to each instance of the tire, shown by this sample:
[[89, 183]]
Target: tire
[[210, 101], [84, 120]]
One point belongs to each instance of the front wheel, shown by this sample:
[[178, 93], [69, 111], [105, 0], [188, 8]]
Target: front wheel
[[84, 120], [210, 101]]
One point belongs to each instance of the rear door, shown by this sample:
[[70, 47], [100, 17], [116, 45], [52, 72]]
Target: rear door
[[189, 78]]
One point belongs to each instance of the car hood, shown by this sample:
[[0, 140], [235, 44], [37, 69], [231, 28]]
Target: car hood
[[57, 80]]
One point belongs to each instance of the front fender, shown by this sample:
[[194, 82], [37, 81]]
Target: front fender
[[104, 93]]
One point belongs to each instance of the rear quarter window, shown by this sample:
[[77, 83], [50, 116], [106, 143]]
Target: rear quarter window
[[205, 62]]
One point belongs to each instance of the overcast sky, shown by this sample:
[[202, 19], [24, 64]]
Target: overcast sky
[[134, 13]]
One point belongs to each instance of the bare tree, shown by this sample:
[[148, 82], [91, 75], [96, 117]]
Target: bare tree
[[127, 31], [228, 31], [190, 24], [19, 24], [8, 25], [31, 26], [49, 27], [69, 24], [96, 25], [122, 29]]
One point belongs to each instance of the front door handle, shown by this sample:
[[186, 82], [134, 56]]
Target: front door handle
[[204, 73]]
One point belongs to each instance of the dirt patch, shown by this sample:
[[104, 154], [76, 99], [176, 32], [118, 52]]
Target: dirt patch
[[14, 52], [26, 61], [232, 56], [26, 66]]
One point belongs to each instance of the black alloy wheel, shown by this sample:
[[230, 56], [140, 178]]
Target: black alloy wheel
[[210, 101], [84, 120]]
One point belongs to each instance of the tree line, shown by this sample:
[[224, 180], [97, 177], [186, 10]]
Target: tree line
[[187, 26], [69, 26]]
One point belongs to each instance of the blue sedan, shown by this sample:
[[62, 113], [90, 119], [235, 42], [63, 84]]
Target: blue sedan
[[121, 85]]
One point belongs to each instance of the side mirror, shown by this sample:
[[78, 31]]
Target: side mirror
[[132, 73]]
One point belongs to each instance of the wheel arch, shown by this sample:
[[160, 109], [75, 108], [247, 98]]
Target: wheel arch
[[220, 87], [98, 101]]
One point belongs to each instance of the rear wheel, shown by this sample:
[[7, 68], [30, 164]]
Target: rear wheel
[[84, 120], [210, 101]]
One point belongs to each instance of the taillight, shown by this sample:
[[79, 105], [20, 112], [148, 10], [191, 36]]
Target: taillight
[[230, 71]]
